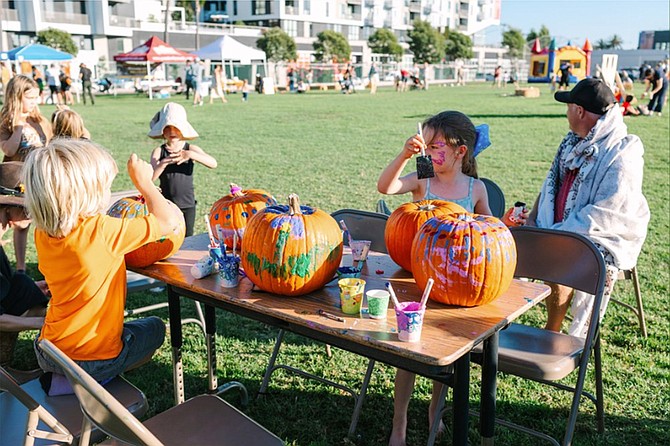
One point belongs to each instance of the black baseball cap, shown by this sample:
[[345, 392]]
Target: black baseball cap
[[591, 93]]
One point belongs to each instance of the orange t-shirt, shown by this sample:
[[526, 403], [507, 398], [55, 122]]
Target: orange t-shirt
[[86, 274]]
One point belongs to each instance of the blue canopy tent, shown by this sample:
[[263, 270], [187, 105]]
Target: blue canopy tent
[[34, 52]]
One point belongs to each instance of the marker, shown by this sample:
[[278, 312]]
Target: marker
[[330, 316]]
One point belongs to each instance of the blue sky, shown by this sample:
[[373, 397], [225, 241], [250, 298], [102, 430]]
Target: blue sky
[[576, 20]]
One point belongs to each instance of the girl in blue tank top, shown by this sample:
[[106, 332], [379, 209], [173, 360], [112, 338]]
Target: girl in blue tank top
[[452, 141]]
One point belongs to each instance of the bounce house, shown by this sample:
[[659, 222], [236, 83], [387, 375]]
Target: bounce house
[[545, 62]]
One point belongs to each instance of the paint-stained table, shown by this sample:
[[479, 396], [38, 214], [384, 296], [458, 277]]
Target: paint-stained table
[[448, 337]]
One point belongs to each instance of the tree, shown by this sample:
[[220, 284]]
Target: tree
[[457, 45], [616, 42], [425, 42], [330, 45], [514, 41], [383, 41], [58, 39], [544, 35], [602, 44], [277, 45]]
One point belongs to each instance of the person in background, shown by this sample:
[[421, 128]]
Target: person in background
[[198, 69], [373, 78], [22, 130], [245, 90], [657, 89], [219, 85], [452, 140], [39, 79], [81, 255], [85, 77], [593, 188], [65, 86], [53, 81], [174, 160]]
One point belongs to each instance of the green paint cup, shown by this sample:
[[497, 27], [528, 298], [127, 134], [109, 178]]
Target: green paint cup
[[351, 295], [378, 303]]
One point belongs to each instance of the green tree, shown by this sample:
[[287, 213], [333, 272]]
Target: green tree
[[425, 42], [383, 41], [58, 39], [602, 44], [513, 39], [330, 45], [457, 45], [616, 42], [277, 45], [544, 35]]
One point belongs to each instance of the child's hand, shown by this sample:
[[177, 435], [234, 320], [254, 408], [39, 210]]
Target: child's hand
[[413, 146], [515, 220], [141, 172]]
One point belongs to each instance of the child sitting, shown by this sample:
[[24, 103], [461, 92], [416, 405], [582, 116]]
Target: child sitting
[[67, 123], [81, 255]]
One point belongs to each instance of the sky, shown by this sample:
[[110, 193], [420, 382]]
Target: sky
[[572, 20]]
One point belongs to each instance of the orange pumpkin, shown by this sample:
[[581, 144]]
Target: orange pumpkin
[[404, 223], [291, 250], [131, 207], [232, 212], [471, 257]]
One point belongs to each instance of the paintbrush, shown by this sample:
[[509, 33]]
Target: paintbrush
[[424, 163], [426, 292], [212, 240], [389, 287], [343, 225]]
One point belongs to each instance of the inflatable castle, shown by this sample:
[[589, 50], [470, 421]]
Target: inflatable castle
[[545, 62]]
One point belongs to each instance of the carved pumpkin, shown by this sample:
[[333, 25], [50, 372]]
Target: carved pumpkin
[[291, 250], [131, 207], [404, 223], [471, 258], [232, 211]]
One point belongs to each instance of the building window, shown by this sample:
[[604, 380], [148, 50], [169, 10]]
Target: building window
[[234, 7], [337, 27], [290, 27], [354, 33], [261, 7], [307, 7]]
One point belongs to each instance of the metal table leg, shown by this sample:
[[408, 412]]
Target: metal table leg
[[489, 384], [176, 342], [461, 400], [210, 340]]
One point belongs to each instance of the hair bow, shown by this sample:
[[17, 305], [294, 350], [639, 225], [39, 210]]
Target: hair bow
[[482, 140]]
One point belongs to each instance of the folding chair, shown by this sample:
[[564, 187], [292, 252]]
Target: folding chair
[[28, 416], [631, 274], [572, 260], [496, 198], [363, 225], [205, 419]]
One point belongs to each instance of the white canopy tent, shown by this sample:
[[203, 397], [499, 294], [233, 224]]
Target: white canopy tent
[[229, 51]]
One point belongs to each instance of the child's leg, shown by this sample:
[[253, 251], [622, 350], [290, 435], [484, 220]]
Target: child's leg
[[434, 401], [142, 337], [404, 385], [189, 219]]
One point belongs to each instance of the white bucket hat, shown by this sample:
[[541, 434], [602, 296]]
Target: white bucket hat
[[171, 114]]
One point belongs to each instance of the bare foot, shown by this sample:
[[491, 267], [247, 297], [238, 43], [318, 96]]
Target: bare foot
[[397, 439]]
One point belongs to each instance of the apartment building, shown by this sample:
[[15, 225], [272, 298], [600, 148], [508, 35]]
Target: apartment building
[[107, 27]]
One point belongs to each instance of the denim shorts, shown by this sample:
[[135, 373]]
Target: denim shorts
[[141, 338]]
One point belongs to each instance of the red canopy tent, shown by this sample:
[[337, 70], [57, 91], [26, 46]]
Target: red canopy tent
[[151, 53]]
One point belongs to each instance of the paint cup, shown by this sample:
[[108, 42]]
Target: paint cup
[[409, 316], [203, 267], [216, 253], [360, 249], [229, 271], [378, 303], [351, 295], [348, 272]]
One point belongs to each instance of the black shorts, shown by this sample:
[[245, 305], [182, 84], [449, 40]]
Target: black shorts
[[23, 295], [53, 89]]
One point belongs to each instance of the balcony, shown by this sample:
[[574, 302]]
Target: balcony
[[351, 16], [10, 15], [369, 3], [291, 10], [125, 22], [369, 21], [415, 6], [388, 4], [65, 17], [354, 2]]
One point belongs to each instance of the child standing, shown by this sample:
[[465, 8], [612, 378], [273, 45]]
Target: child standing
[[81, 255], [245, 90], [173, 161], [453, 142]]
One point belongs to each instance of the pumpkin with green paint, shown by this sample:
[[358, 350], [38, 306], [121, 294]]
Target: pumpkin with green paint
[[164, 247], [291, 250], [470, 257], [404, 223], [232, 211]]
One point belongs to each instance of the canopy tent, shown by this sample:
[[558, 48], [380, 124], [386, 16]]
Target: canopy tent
[[228, 50], [150, 54], [34, 52]]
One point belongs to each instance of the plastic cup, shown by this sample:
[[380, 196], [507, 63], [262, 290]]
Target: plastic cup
[[229, 271], [216, 253], [351, 295], [409, 316], [378, 303], [360, 249], [203, 267]]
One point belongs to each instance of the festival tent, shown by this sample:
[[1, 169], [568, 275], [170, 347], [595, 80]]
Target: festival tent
[[35, 52], [228, 50], [148, 56]]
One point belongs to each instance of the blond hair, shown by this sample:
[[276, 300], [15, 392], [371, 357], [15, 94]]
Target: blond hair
[[66, 181], [13, 106], [67, 124]]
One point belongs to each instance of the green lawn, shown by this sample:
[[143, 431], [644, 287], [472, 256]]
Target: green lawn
[[330, 148]]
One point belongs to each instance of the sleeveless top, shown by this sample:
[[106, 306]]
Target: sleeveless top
[[465, 202], [176, 181], [30, 139]]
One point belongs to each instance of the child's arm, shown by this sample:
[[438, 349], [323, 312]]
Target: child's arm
[[480, 198], [198, 155], [159, 164], [141, 175], [389, 181]]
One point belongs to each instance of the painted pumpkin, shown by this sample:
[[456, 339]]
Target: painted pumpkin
[[233, 211], [291, 250], [404, 223], [471, 257], [131, 207]]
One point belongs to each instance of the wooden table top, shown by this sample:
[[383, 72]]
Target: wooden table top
[[448, 332]]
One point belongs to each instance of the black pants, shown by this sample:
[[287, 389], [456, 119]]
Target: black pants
[[86, 87], [189, 219]]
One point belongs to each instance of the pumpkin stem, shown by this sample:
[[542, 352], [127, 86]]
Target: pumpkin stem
[[294, 204], [465, 217], [427, 207], [235, 190]]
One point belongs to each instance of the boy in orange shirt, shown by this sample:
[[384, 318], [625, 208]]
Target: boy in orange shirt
[[81, 254]]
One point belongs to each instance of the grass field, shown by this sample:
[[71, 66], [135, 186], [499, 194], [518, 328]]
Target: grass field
[[330, 148]]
